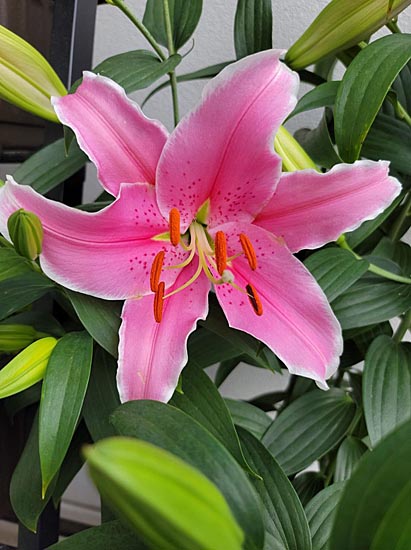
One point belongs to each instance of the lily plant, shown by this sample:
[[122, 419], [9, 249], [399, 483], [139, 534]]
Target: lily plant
[[205, 207]]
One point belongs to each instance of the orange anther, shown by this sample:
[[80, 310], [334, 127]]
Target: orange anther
[[220, 250], [174, 223], [249, 251], [156, 270], [254, 299], [159, 302]]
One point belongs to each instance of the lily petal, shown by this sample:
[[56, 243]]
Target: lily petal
[[297, 322], [112, 130], [152, 355], [224, 149], [310, 209], [106, 254]]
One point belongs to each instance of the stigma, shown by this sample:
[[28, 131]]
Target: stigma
[[213, 261]]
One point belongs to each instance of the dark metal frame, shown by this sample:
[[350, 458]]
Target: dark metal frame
[[71, 53]]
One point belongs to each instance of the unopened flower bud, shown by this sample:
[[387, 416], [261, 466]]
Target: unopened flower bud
[[14, 338], [292, 154], [27, 368], [340, 25], [26, 233], [26, 78]]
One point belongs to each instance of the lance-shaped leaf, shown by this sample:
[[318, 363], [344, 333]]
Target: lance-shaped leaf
[[386, 386], [308, 428], [184, 18], [341, 24], [283, 514], [320, 514], [200, 399], [168, 502], [248, 417], [253, 27], [171, 429], [363, 89], [27, 368], [11, 264], [348, 456], [64, 388], [374, 510], [26, 78], [21, 291]]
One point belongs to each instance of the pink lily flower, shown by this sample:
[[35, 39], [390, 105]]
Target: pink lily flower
[[206, 205]]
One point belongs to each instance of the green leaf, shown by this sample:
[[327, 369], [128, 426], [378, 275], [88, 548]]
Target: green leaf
[[50, 166], [370, 301], [207, 72], [224, 370], [283, 514], [184, 19], [335, 270], [136, 69], [64, 388], [386, 386], [317, 143], [11, 264], [322, 96], [309, 428], [206, 348], [21, 291], [248, 417], [359, 235], [40, 320], [242, 342], [389, 139], [321, 513], [202, 402], [167, 501], [363, 88], [174, 431], [102, 396], [374, 510], [109, 536], [25, 487], [307, 485], [399, 252], [100, 318], [253, 27], [348, 456]]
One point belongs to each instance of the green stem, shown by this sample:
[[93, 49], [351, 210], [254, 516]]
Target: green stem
[[403, 327], [395, 231], [342, 242], [141, 27], [171, 51], [402, 113], [393, 27]]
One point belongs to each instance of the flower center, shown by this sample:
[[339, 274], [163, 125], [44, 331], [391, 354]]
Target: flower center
[[212, 260]]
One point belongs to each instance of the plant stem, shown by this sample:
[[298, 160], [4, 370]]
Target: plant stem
[[403, 327], [141, 27], [171, 51], [393, 27], [342, 242], [395, 230]]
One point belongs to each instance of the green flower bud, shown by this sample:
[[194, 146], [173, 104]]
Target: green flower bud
[[27, 368], [26, 233], [292, 154], [341, 24], [26, 78], [16, 337]]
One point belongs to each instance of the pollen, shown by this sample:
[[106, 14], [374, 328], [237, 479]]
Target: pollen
[[221, 252], [159, 302], [249, 251], [156, 270], [174, 223], [254, 299]]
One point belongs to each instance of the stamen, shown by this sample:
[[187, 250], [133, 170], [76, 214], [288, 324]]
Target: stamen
[[249, 251], [159, 302], [156, 270], [221, 251], [174, 223], [254, 299]]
